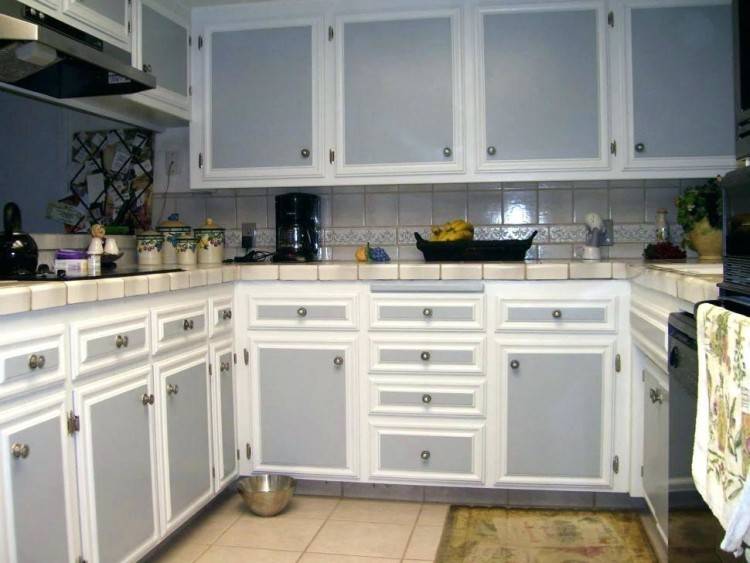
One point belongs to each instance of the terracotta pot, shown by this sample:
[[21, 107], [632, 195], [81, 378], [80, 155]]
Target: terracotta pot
[[706, 240]]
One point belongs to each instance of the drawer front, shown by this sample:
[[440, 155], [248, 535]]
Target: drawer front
[[220, 315], [30, 360], [427, 312], [303, 312], [556, 315], [176, 326], [101, 345], [427, 355], [426, 400], [423, 453]]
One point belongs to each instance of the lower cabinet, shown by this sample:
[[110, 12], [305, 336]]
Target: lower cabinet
[[38, 514], [117, 475], [184, 407], [226, 453], [656, 445], [303, 391], [556, 402]]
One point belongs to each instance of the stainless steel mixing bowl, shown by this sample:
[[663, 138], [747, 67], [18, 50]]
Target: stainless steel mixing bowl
[[266, 495]]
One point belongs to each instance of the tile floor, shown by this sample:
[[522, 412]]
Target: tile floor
[[311, 530]]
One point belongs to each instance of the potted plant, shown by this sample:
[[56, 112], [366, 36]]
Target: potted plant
[[699, 212]]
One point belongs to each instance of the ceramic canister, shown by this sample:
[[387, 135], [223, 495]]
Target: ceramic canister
[[185, 249], [149, 246], [209, 239], [172, 228]]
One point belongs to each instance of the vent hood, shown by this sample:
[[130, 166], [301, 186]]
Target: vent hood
[[44, 55]]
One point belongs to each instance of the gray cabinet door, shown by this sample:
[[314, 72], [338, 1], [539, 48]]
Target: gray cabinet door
[[555, 414], [185, 390], [36, 488], [682, 93], [164, 50], [109, 17], [303, 405], [656, 447], [398, 91], [225, 393], [541, 76], [117, 455], [261, 98]]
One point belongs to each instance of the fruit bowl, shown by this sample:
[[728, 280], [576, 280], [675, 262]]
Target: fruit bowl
[[510, 250]]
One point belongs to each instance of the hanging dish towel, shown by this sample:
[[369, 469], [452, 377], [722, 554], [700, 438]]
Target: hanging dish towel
[[721, 453]]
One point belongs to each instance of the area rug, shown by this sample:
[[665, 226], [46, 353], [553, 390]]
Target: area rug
[[490, 535]]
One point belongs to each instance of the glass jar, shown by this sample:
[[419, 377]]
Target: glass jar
[[662, 226]]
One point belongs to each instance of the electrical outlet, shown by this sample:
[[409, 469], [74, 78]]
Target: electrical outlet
[[172, 158]]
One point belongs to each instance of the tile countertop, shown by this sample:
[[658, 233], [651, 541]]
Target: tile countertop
[[17, 297]]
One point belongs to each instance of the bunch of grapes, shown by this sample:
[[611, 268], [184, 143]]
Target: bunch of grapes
[[378, 254]]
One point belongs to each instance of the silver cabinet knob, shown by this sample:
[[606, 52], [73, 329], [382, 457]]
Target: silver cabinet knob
[[425, 455], [121, 341], [147, 399], [515, 364], [224, 366], [426, 398], [187, 324], [640, 147], [146, 67], [226, 314], [301, 312], [656, 396], [19, 450], [172, 389], [338, 361], [447, 152], [425, 356], [492, 151], [33, 361], [557, 313], [427, 312], [305, 153], [40, 361]]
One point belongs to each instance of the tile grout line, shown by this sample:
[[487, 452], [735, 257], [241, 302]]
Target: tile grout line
[[325, 521], [411, 534]]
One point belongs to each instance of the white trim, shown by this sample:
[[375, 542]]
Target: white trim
[[218, 349]]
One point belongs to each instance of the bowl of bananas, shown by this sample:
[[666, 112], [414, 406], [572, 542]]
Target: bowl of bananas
[[454, 242]]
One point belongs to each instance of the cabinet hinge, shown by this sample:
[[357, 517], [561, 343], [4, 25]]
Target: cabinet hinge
[[74, 423], [213, 472], [200, 160], [641, 471], [235, 358], [190, 90], [330, 33], [248, 451], [130, 28], [611, 19], [200, 42], [190, 40], [210, 369], [238, 454], [247, 357], [643, 376], [613, 147], [616, 464], [80, 559], [618, 363], [331, 156]]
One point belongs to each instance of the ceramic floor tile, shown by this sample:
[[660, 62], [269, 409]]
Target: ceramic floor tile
[[291, 534], [208, 528], [387, 512], [225, 554], [180, 551], [362, 538], [424, 543], [316, 508], [329, 558], [433, 514]]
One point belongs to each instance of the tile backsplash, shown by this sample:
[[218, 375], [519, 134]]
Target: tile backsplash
[[389, 215]]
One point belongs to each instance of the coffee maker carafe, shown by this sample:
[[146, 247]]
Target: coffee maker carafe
[[297, 228]]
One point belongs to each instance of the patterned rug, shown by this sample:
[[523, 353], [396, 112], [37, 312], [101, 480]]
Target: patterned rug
[[490, 535]]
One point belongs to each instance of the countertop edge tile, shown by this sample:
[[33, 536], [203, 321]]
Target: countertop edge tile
[[378, 271], [136, 285], [259, 272], [179, 280], [508, 271], [197, 278], [48, 295], [590, 270], [461, 271], [337, 272], [110, 288], [158, 283], [418, 271], [15, 300], [82, 291], [298, 272], [548, 271]]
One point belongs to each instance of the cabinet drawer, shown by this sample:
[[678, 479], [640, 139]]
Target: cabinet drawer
[[430, 312], [313, 312], [422, 453], [177, 326], [427, 355], [429, 400], [102, 344], [556, 315], [29, 360], [220, 315]]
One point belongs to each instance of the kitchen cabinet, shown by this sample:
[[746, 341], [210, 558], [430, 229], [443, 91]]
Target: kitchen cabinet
[[304, 403], [111, 18], [399, 94], [117, 468], [226, 455], [38, 483], [656, 445], [556, 401], [184, 406], [673, 50], [542, 87]]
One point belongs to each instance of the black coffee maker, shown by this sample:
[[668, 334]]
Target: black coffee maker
[[297, 228]]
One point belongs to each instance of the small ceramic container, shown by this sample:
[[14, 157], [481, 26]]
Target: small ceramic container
[[209, 239], [150, 245], [185, 249], [172, 228]]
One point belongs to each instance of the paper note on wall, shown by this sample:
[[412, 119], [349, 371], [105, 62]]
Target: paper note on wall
[[94, 186], [63, 213]]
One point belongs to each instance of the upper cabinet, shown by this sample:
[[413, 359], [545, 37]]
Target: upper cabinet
[[112, 18], [678, 72], [542, 87], [398, 94]]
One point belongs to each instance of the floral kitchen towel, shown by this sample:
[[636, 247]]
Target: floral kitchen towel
[[721, 452]]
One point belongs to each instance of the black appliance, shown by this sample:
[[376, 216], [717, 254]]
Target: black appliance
[[742, 76], [18, 251], [298, 231], [736, 226]]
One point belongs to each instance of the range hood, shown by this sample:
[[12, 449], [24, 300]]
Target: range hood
[[41, 54]]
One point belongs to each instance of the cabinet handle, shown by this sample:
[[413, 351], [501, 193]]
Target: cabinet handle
[[33, 361], [121, 341], [338, 361], [301, 312], [426, 398], [515, 364], [425, 356], [305, 153], [186, 324], [425, 455], [556, 314], [224, 366], [147, 399], [656, 396], [640, 147], [19, 450], [447, 152], [427, 312], [40, 361], [146, 68], [172, 389], [226, 314], [492, 151]]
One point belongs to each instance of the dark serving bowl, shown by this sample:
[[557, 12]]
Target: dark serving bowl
[[511, 250]]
